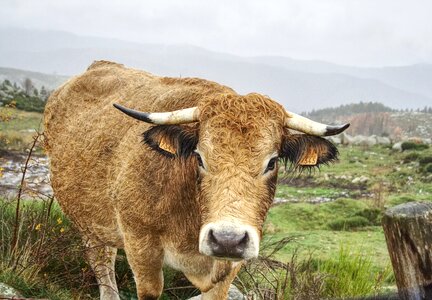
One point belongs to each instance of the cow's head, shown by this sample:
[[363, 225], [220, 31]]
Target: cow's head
[[236, 143]]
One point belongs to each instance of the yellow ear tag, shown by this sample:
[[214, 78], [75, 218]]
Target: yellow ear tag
[[166, 146], [310, 158]]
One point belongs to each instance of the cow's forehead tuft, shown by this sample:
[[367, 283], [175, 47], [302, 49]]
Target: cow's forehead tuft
[[251, 108]]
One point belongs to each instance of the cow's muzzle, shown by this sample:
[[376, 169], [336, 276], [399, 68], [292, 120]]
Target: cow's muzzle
[[229, 241]]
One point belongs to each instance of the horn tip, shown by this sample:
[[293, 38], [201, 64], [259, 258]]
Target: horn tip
[[134, 114], [336, 129]]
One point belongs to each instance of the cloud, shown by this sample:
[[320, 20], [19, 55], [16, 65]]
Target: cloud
[[356, 32]]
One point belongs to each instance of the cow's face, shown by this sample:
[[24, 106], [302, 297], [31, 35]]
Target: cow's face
[[235, 147], [237, 154]]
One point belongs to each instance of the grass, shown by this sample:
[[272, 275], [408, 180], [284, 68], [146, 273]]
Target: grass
[[17, 132], [336, 249]]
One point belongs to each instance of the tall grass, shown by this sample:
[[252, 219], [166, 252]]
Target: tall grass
[[47, 253], [349, 274], [42, 256]]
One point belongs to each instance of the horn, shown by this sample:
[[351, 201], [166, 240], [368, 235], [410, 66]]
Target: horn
[[308, 126], [187, 115]]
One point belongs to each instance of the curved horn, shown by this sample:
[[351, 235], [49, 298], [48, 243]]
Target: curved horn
[[308, 126], [187, 115]]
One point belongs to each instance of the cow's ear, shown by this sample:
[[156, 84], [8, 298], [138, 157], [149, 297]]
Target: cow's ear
[[302, 150], [173, 140]]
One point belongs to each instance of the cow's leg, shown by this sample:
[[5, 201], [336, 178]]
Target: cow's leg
[[220, 290], [145, 257], [102, 260]]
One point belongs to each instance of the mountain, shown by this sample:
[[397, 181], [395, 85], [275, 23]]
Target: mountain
[[298, 85], [50, 82]]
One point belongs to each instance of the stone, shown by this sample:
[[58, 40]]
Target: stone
[[383, 140], [397, 146], [7, 291], [361, 179], [233, 294]]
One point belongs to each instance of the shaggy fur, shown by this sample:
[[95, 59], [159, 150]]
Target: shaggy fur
[[152, 199]]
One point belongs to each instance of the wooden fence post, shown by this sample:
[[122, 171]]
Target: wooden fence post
[[408, 232]]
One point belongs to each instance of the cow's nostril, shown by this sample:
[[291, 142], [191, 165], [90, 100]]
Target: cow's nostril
[[228, 244], [244, 240], [212, 238]]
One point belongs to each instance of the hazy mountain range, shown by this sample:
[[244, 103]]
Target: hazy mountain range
[[299, 85]]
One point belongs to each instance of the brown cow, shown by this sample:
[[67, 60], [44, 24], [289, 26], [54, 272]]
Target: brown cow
[[191, 191]]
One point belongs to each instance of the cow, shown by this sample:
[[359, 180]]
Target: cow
[[185, 179]]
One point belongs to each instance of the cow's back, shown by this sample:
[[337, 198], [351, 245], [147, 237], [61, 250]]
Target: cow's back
[[89, 142]]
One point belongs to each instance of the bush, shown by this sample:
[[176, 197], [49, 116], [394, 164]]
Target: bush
[[373, 215], [411, 157], [401, 200], [351, 274], [350, 223], [413, 146], [425, 160], [428, 168], [27, 103]]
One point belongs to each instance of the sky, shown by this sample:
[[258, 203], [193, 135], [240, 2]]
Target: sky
[[350, 32]]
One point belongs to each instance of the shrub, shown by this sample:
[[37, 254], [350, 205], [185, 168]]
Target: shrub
[[411, 157], [350, 223], [401, 199], [413, 146], [425, 160], [373, 215], [351, 274], [428, 168]]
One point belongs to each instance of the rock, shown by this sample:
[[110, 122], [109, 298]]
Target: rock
[[334, 139], [7, 291], [233, 294], [346, 139], [397, 146], [361, 179], [383, 140]]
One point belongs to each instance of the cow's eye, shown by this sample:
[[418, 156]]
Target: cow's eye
[[271, 165], [199, 160]]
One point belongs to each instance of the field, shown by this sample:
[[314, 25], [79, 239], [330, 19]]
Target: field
[[325, 224], [17, 128]]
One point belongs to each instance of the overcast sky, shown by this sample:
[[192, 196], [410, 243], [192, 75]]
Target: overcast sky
[[353, 32]]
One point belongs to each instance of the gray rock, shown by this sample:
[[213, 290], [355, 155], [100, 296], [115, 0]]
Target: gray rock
[[334, 139], [7, 291], [361, 179], [346, 139], [397, 146], [233, 294], [383, 140]]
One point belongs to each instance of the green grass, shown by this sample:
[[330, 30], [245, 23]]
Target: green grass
[[308, 223], [17, 128], [392, 179], [326, 231], [301, 193]]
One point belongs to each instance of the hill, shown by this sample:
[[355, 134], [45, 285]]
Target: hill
[[39, 80], [375, 118], [298, 85]]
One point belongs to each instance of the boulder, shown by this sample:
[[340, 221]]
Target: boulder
[[397, 146], [233, 294], [346, 139], [9, 292], [383, 140], [361, 179], [334, 139]]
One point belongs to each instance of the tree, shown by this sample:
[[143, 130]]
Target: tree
[[44, 93], [28, 86]]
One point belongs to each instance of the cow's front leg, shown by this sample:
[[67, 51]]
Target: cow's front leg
[[145, 257], [220, 290]]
